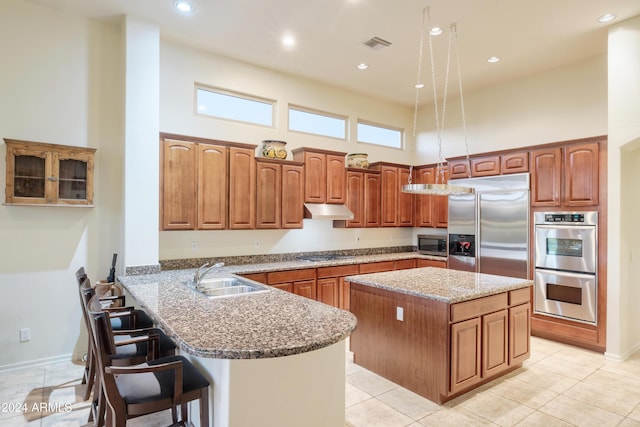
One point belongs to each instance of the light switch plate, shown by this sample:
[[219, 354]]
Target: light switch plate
[[400, 314]]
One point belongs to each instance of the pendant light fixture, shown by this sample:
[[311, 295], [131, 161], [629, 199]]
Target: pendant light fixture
[[439, 188]]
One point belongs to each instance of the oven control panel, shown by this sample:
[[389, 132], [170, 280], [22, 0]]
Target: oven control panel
[[569, 217]]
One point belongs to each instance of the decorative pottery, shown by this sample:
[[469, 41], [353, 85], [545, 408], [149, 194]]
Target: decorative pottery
[[358, 160], [274, 149]]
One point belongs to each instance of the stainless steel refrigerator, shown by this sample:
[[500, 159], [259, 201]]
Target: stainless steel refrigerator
[[489, 230]]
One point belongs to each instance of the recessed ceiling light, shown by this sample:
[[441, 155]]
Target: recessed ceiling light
[[493, 59], [607, 18], [418, 85], [288, 40], [436, 31], [362, 66], [183, 6]]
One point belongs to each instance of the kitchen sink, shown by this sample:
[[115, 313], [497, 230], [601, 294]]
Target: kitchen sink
[[226, 286]]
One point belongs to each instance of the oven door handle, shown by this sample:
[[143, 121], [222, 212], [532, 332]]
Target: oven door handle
[[566, 273]]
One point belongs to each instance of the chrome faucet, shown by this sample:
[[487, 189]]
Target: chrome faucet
[[197, 278]]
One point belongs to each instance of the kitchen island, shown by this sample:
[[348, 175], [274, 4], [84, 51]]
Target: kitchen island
[[440, 332], [272, 358]]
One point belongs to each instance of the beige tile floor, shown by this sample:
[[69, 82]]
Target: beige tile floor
[[559, 385]]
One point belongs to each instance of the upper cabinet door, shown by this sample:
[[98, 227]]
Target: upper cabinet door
[[514, 162], [242, 188], [336, 179], [546, 170], [292, 196], [178, 190], [269, 194], [355, 198], [315, 180], [371, 199], [581, 175], [423, 202], [212, 187], [405, 200], [459, 169]]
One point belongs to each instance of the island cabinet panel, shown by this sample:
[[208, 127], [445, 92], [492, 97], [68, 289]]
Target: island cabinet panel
[[495, 343], [465, 354], [332, 289], [412, 352], [519, 333], [431, 263]]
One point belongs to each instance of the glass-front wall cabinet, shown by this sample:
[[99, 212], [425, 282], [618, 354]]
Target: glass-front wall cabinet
[[48, 174]]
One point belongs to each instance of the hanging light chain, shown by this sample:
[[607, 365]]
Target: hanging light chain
[[454, 31], [418, 80]]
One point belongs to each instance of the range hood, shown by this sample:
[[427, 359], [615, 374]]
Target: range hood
[[327, 211]]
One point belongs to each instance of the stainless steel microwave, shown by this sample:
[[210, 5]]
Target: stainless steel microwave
[[432, 245]]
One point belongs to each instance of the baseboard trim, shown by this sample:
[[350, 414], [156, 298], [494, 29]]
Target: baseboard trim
[[622, 357], [37, 362]]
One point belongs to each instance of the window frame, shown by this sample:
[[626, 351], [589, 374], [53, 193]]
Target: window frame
[[235, 94], [320, 113], [381, 126]]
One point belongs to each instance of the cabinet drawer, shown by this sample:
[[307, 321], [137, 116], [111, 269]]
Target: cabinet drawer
[[377, 267], [403, 264], [478, 307], [519, 296], [258, 277], [290, 276], [338, 271]]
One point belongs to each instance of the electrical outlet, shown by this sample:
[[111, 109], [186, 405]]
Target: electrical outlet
[[25, 335], [400, 314], [194, 246], [256, 244]]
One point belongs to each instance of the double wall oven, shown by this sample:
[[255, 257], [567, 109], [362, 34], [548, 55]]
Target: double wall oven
[[566, 258]]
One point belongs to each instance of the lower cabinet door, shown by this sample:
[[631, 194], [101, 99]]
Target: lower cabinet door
[[327, 291], [495, 354], [465, 354], [519, 333], [305, 288]]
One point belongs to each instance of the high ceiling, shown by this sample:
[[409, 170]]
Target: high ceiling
[[530, 36]]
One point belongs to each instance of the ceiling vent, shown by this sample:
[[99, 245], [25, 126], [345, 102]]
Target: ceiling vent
[[376, 43]]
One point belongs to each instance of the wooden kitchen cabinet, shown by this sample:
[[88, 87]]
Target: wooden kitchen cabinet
[[300, 282], [212, 171], [396, 208], [292, 195], [206, 184], [581, 175], [372, 199], [258, 277], [377, 267], [546, 177], [485, 166], [42, 174], [459, 168], [178, 185], [278, 194], [331, 286], [405, 264], [355, 200], [466, 344], [325, 176], [519, 333], [495, 343], [242, 188], [565, 176], [431, 210], [514, 162]]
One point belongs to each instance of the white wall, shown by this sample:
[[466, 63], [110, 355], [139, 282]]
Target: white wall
[[59, 83], [181, 67], [557, 105], [623, 334]]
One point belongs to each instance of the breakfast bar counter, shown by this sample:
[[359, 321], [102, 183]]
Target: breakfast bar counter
[[272, 358]]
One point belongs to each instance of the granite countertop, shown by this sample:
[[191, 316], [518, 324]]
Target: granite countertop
[[247, 326], [450, 286]]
